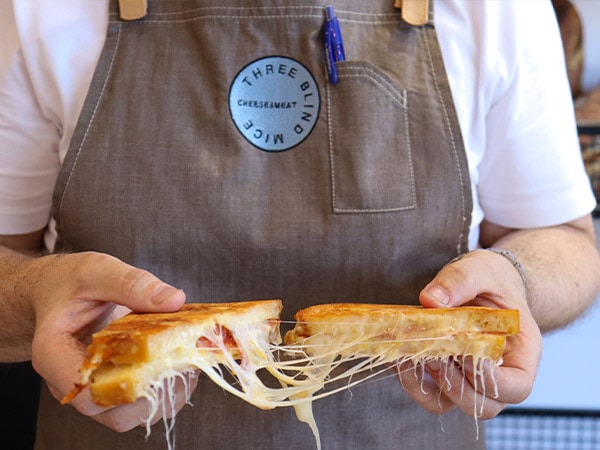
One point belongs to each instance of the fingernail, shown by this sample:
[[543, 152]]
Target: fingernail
[[163, 293], [438, 294]]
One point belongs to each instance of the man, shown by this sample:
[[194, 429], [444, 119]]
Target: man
[[185, 170]]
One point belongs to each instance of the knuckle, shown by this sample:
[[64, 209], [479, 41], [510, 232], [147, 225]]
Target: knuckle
[[86, 264], [137, 282], [119, 426], [521, 396], [459, 272], [118, 419], [492, 411]]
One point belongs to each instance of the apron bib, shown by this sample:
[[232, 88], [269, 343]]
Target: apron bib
[[213, 152]]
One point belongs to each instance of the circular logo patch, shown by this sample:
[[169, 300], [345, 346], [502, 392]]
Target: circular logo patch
[[274, 102]]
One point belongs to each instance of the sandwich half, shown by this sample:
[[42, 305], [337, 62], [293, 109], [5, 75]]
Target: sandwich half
[[395, 332], [132, 356]]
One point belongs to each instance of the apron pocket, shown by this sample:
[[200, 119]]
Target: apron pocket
[[369, 142]]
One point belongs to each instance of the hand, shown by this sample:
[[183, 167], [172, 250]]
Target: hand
[[479, 278], [75, 295]]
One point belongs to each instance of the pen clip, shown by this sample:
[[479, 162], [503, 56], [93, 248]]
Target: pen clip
[[334, 45]]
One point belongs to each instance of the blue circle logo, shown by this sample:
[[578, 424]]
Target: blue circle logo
[[274, 103]]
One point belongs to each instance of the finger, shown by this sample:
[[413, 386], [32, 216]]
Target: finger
[[516, 375], [482, 375], [64, 366], [473, 392], [419, 385], [61, 368], [103, 277], [171, 397], [119, 312], [82, 403]]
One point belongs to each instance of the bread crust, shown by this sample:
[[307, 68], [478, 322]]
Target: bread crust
[[419, 320]]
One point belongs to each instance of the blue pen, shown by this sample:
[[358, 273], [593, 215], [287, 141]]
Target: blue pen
[[334, 45]]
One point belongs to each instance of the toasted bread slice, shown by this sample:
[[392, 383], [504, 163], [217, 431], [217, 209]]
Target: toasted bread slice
[[400, 331], [142, 337], [138, 350]]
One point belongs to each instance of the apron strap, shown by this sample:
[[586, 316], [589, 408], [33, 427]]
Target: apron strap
[[414, 12], [133, 9]]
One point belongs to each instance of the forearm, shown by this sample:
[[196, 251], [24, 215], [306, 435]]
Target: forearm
[[562, 267], [17, 318]]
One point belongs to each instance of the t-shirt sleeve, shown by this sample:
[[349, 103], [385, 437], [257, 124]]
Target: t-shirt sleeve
[[48, 55], [532, 174], [28, 140]]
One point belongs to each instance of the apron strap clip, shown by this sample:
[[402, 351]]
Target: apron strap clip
[[414, 12], [133, 9]]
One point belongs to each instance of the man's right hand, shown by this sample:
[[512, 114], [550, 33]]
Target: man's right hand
[[68, 297]]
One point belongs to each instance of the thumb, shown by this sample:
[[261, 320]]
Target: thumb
[[106, 278], [478, 275]]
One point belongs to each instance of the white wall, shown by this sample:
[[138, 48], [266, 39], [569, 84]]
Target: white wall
[[589, 12]]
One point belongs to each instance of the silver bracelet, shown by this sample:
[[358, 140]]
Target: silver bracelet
[[514, 261]]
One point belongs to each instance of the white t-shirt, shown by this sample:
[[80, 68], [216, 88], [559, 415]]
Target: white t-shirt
[[504, 62]]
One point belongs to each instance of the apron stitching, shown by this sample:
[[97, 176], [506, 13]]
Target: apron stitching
[[371, 211], [232, 8], [409, 149], [379, 22], [89, 126], [459, 249], [268, 17], [194, 19], [371, 18], [396, 96], [390, 15]]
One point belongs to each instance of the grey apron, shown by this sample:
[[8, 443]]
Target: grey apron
[[213, 151]]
